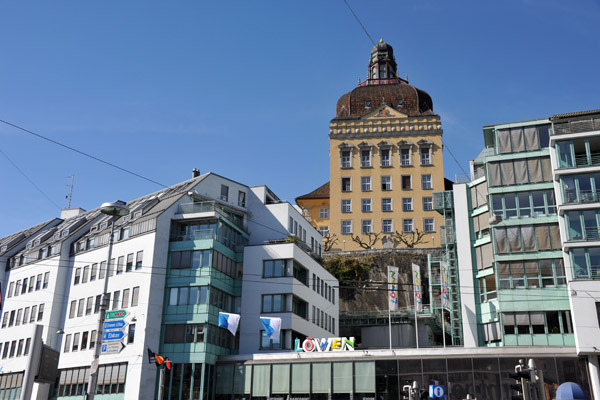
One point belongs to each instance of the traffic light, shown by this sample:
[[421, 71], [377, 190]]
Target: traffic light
[[522, 376]]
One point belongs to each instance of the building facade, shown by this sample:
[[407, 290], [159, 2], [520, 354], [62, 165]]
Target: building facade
[[181, 256], [385, 151], [524, 231]]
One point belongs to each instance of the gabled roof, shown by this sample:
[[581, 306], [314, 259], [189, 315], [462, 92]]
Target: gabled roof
[[11, 240], [322, 192]]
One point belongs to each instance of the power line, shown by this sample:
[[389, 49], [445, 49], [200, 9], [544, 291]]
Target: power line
[[83, 153], [358, 20], [30, 181]]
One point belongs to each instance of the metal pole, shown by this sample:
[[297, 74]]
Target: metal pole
[[161, 383], [443, 327], [91, 391], [417, 327], [390, 323]]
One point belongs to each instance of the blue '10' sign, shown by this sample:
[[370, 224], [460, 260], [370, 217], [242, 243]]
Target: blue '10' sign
[[436, 392]]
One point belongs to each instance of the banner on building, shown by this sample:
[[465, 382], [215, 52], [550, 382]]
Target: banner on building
[[416, 272], [445, 288], [392, 288]]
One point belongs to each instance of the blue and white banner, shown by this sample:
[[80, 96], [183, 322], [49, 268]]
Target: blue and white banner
[[229, 321], [416, 270], [272, 327]]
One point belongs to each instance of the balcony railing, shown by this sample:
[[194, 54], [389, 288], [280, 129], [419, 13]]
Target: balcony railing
[[585, 196], [212, 206], [198, 234], [587, 125], [443, 200], [584, 161]]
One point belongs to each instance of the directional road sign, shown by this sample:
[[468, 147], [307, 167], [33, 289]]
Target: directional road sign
[[114, 347], [112, 335], [119, 314], [114, 324], [436, 391]]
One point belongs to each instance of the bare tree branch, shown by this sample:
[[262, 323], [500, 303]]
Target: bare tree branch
[[370, 241], [409, 239]]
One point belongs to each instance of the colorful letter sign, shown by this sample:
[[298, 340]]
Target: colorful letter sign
[[416, 270], [393, 288], [324, 344]]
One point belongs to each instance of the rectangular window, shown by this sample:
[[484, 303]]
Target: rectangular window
[[273, 303], [19, 317], [346, 227], [346, 205], [120, 263], [426, 181], [365, 158], [102, 271], [367, 226], [405, 157], [11, 287], [138, 259], [324, 230], [407, 204], [324, 213], [31, 284], [386, 204], [76, 342], [241, 199], [387, 225], [346, 184], [427, 203], [426, 155], [97, 304], [365, 183], [86, 272], [224, 192], [346, 156], [129, 263], [26, 315], [131, 334], [385, 157], [81, 307], [77, 276], [116, 300], [84, 340], [40, 315], [429, 225], [274, 268], [33, 314], [94, 272], [88, 305], [407, 225], [366, 205], [125, 298], [67, 347], [406, 182], [386, 183], [135, 294]]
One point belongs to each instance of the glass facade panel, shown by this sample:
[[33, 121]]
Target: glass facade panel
[[281, 379], [321, 377], [342, 377], [300, 378], [261, 380], [364, 377]]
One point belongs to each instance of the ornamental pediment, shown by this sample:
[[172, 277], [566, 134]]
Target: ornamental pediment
[[384, 111]]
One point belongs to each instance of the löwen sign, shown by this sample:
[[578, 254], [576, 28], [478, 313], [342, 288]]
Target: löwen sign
[[324, 344]]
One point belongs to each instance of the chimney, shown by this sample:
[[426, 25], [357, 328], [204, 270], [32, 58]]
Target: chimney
[[195, 173]]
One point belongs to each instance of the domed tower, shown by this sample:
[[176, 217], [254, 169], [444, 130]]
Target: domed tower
[[385, 161]]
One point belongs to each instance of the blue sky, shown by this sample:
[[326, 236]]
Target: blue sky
[[246, 89]]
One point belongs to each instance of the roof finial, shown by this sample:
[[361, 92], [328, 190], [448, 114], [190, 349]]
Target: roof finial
[[359, 81], [380, 40]]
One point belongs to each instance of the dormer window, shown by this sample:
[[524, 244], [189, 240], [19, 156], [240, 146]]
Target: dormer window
[[65, 232], [399, 102], [137, 214], [127, 218], [93, 229], [36, 243], [103, 225], [29, 245], [3, 249], [57, 236], [367, 104]]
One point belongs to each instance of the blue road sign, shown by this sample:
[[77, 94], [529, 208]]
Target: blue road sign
[[116, 324], [436, 392], [113, 335]]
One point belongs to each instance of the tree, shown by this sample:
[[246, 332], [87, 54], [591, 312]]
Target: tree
[[329, 241], [409, 239], [371, 240]]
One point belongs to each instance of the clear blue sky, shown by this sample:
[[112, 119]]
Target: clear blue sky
[[246, 89]]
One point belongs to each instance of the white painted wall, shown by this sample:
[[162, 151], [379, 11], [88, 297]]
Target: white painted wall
[[465, 265], [254, 286]]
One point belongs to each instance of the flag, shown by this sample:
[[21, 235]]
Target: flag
[[416, 272], [168, 363], [151, 357], [445, 292], [229, 321], [272, 327], [393, 288]]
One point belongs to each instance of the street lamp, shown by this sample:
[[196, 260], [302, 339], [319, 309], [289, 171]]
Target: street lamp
[[114, 209]]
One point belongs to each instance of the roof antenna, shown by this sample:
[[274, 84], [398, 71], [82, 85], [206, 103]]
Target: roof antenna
[[70, 196]]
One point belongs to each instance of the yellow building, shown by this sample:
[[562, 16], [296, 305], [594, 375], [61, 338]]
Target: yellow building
[[315, 208], [385, 151]]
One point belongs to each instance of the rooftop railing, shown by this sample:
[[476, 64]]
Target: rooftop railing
[[212, 206], [577, 126]]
